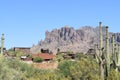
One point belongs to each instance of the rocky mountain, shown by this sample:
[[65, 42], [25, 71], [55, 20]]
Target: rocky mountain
[[70, 39]]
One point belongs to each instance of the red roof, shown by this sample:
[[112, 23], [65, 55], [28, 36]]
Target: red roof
[[43, 55]]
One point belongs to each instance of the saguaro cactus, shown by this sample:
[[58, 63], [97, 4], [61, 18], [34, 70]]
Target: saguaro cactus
[[100, 36], [99, 52], [2, 43], [115, 54], [107, 52], [101, 62], [113, 48], [118, 56], [104, 58]]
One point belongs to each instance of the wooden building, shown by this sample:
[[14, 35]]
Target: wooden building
[[25, 50]]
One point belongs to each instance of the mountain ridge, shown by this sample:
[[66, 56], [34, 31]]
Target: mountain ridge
[[70, 39]]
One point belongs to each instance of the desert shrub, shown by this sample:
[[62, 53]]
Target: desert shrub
[[9, 70], [83, 69], [64, 67], [37, 59], [114, 75]]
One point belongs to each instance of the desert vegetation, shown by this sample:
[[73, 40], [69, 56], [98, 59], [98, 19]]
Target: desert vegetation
[[14, 69], [102, 64], [85, 68]]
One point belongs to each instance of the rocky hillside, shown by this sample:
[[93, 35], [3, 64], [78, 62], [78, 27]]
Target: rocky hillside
[[69, 39]]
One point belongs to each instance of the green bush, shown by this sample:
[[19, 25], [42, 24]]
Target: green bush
[[9, 69], [83, 69], [37, 59], [64, 67]]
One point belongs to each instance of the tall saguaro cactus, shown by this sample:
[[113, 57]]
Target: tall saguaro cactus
[[2, 43], [99, 52], [101, 62], [115, 54], [113, 48], [107, 52], [100, 36], [118, 56]]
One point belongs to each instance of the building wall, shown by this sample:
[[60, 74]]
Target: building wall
[[22, 49]]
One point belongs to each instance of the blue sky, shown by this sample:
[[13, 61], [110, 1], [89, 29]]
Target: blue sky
[[24, 22]]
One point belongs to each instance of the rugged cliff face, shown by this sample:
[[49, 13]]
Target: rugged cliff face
[[69, 39]]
